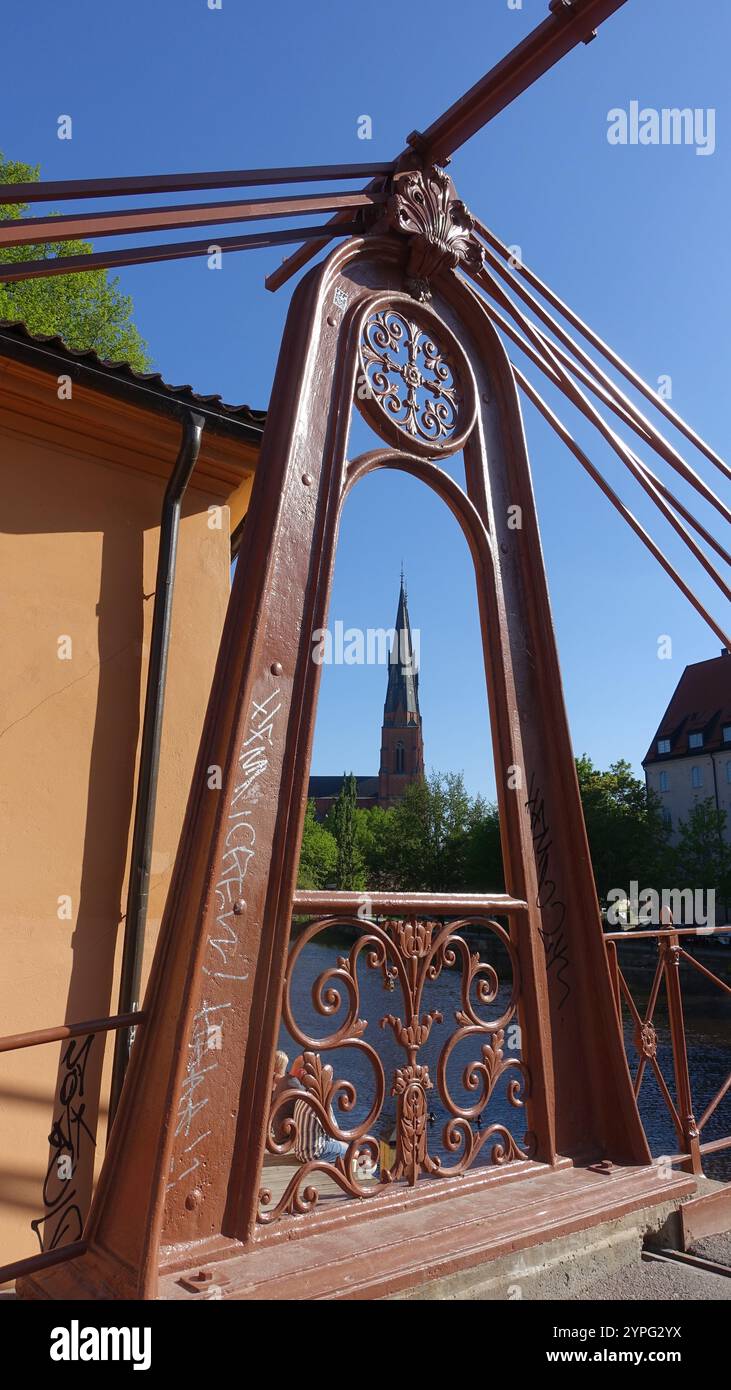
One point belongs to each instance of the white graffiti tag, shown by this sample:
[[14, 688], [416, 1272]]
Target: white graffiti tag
[[223, 963]]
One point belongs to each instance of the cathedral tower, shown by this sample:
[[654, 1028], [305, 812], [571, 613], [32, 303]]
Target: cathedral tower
[[402, 746]]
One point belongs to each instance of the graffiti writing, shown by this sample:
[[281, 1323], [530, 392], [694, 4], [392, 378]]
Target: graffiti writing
[[223, 964], [547, 899], [63, 1218]]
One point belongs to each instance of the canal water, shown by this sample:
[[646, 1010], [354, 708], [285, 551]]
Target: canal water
[[708, 1027]]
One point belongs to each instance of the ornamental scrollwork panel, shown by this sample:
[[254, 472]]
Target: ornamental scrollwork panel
[[395, 1069], [409, 377], [415, 385]]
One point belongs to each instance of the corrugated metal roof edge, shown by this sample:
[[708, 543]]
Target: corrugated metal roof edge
[[16, 332]]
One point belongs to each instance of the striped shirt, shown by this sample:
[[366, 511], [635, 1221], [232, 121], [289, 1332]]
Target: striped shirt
[[311, 1137]]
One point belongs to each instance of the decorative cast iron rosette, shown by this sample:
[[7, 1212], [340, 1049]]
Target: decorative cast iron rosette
[[414, 385]]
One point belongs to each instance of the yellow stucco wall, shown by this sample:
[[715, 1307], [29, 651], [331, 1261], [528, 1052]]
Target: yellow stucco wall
[[82, 483]]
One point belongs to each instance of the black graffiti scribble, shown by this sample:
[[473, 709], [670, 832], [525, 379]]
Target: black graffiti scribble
[[63, 1219], [554, 910]]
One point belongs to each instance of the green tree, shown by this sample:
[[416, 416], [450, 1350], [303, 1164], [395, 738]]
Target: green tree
[[86, 310], [318, 855], [343, 821], [484, 871], [373, 838], [702, 857], [429, 834], [627, 836]]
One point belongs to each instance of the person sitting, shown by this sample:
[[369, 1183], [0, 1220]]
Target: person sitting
[[313, 1144], [284, 1080]]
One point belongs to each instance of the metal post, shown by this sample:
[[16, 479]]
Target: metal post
[[144, 825], [669, 948], [613, 964]]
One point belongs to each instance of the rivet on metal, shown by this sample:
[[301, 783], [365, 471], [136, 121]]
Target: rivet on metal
[[239, 906], [194, 1199], [307, 479], [276, 668]]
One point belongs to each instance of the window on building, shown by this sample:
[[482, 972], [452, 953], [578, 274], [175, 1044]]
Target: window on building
[[664, 782], [663, 745], [728, 772], [696, 776], [399, 757], [695, 740], [727, 733], [667, 819]]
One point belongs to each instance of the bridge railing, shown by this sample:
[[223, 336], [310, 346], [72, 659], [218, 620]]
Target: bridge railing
[[39, 1037], [672, 958], [408, 959], [390, 1092]]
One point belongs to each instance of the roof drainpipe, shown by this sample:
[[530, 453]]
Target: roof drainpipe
[[144, 824]]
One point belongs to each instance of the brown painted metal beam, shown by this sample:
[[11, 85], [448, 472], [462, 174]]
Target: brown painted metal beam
[[302, 256], [146, 255], [37, 231], [42, 191], [570, 23]]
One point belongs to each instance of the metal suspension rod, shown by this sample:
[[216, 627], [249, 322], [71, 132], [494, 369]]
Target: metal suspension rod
[[144, 822], [688, 516], [570, 23], [145, 255], [643, 425], [606, 351], [663, 445], [601, 482], [544, 365], [618, 409], [41, 191], [37, 231], [299, 258], [577, 397], [541, 361]]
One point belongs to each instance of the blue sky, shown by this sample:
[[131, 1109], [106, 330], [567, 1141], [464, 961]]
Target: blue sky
[[635, 238]]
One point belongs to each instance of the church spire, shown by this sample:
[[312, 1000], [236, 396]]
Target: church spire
[[402, 693], [402, 748]]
